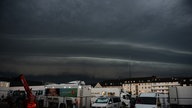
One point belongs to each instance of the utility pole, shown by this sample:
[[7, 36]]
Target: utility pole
[[130, 75]]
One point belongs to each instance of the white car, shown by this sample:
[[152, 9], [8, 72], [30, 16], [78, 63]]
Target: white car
[[107, 102]]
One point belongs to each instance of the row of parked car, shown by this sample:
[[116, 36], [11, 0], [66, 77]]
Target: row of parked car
[[144, 100]]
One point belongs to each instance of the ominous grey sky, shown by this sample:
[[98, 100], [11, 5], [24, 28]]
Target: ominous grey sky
[[96, 39]]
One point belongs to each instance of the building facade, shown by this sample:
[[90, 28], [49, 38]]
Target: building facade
[[162, 87], [4, 84], [147, 84]]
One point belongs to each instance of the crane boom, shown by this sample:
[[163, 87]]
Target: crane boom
[[31, 103]]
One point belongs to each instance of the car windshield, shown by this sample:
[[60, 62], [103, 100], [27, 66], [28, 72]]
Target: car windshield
[[146, 100], [102, 100]]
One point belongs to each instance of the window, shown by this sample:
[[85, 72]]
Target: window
[[39, 92], [111, 93]]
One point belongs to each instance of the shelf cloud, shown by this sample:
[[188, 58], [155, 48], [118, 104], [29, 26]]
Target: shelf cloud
[[92, 38]]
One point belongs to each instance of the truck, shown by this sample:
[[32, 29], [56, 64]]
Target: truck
[[67, 95], [180, 96], [36, 90], [98, 92], [152, 100]]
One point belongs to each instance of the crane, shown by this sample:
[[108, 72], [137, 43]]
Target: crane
[[30, 101]]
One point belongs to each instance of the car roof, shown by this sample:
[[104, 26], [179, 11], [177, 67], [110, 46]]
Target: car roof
[[148, 95], [109, 97]]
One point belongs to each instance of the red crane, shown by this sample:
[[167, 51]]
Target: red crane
[[31, 102]]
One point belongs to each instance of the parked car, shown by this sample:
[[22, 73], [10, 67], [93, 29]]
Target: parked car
[[124, 96], [107, 102]]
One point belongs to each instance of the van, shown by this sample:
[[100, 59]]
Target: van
[[107, 102], [148, 100]]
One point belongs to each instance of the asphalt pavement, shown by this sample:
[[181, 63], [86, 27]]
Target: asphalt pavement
[[4, 105]]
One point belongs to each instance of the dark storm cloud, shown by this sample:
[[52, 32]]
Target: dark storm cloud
[[151, 21], [93, 47], [87, 37], [89, 66]]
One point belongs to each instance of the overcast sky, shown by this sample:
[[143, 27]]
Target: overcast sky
[[95, 39]]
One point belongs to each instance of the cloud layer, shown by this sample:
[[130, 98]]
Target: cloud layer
[[96, 37], [90, 66]]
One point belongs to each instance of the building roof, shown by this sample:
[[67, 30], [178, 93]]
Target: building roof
[[98, 85]]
